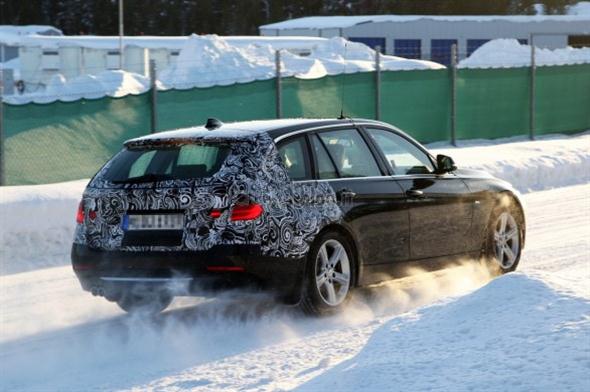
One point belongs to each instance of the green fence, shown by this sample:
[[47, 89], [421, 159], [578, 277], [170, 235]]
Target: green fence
[[64, 141]]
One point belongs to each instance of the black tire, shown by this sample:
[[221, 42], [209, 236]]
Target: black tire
[[314, 300], [491, 253], [150, 302]]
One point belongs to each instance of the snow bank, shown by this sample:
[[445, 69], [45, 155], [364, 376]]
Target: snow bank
[[553, 161], [38, 221], [581, 8], [112, 83], [211, 60], [476, 343], [500, 53], [37, 225]]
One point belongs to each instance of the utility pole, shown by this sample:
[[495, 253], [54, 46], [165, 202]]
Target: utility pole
[[121, 32]]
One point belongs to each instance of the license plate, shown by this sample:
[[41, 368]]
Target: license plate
[[153, 222]]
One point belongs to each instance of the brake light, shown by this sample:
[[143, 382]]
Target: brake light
[[241, 212], [80, 214], [246, 212]]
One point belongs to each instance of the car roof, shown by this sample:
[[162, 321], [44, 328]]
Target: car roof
[[245, 129]]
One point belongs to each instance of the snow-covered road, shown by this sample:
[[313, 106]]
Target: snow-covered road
[[454, 330]]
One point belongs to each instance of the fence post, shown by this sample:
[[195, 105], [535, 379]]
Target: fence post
[[279, 85], [454, 95], [154, 97], [533, 89], [378, 83], [2, 140]]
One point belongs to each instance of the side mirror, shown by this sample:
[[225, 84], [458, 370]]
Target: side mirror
[[444, 164]]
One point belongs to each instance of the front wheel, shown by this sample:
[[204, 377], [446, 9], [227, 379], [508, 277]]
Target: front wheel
[[329, 275], [504, 241], [151, 302]]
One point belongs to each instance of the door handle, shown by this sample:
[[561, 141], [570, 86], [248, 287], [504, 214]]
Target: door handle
[[414, 193], [346, 194]]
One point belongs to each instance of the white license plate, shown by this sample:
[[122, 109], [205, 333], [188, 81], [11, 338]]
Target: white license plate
[[153, 222]]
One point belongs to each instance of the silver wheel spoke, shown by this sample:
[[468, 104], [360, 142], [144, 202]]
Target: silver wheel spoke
[[341, 278], [324, 255], [509, 253], [331, 293], [335, 258], [512, 233], [503, 220], [320, 280]]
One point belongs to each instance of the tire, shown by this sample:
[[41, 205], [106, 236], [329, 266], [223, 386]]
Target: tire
[[504, 240], [329, 275], [150, 302]]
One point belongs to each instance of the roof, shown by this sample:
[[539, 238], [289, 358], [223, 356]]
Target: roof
[[327, 22], [239, 130], [150, 42]]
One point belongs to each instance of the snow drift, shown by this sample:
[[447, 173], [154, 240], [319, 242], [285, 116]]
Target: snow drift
[[552, 161], [37, 225], [210, 60], [501, 53], [475, 343]]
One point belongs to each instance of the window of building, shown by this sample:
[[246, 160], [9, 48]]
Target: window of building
[[408, 48], [440, 50], [371, 42]]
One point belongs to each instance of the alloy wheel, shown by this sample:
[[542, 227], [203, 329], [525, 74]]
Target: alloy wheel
[[506, 240], [332, 272]]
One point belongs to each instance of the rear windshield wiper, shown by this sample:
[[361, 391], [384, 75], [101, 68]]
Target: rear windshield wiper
[[149, 177]]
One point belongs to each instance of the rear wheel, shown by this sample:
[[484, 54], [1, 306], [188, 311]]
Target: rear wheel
[[329, 275], [143, 301], [504, 241]]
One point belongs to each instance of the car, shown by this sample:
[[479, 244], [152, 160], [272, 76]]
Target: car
[[308, 208]]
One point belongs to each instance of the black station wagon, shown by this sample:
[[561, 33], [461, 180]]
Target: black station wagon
[[311, 208]]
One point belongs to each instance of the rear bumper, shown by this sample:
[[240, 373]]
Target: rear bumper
[[113, 270]]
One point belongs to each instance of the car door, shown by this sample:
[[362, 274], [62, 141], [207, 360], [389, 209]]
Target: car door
[[440, 214], [372, 202]]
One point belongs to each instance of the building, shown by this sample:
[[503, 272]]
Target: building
[[431, 37], [35, 58]]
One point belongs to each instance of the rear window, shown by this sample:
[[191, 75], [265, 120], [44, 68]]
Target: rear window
[[182, 162]]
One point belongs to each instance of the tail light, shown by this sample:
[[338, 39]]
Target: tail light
[[241, 212], [80, 214]]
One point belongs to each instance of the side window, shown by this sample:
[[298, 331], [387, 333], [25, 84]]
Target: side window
[[294, 156], [326, 169], [402, 156], [350, 153]]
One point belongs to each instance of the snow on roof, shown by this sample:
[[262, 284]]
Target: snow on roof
[[29, 30], [227, 130], [150, 42], [327, 22]]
